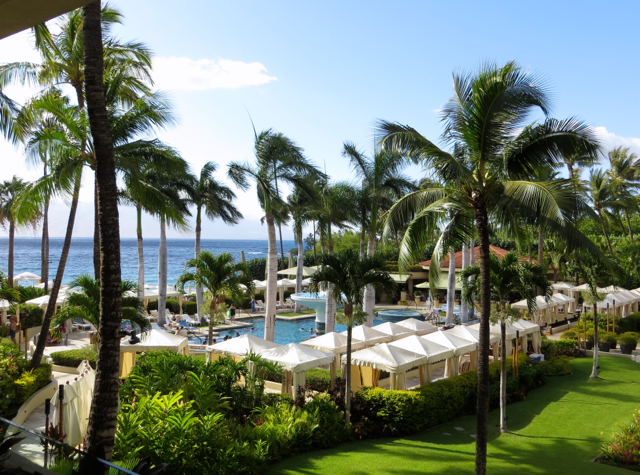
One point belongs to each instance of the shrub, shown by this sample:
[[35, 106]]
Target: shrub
[[320, 379], [381, 412], [35, 316], [190, 308], [551, 348], [623, 449], [591, 335], [74, 357], [558, 366], [608, 337], [628, 338], [629, 324], [569, 335]]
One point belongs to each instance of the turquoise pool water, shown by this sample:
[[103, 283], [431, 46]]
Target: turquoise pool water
[[398, 315]]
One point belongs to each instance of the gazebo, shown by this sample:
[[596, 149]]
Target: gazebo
[[527, 327], [28, 276], [567, 303], [418, 327], [472, 334], [543, 305], [335, 343], [295, 359], [152, 340], [239, 347], [368, 335], [394, 330], [459, 346], [433, 351]]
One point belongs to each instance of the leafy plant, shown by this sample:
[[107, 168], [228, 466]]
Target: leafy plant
[[628, 338], [75, 357], [624, 448], [608, 337]]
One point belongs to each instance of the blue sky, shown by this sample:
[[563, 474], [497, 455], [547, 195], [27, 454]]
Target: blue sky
[[323, 72]]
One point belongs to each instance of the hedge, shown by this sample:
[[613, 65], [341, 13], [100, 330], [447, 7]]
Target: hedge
[[74, 357], [35, 316], [631, 323], [381, 412], [190, 308]]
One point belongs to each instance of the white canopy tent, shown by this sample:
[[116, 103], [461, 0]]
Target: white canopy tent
[[459, 346], [296, 359], [527, 327], [433, 351], [543, 306], [394, 330], [418, 327], [306, 271], [28, 276], [368, 335], [562, 286], [567, 303], [393, 359], [335, 343], [240, 346], [152, 340]]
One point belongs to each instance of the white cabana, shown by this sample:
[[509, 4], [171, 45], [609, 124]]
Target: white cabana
[[152, 340], [510, 334], [335, 343], [433, 351], [562, 286], [368, 335], [394, 330], [544, 308], [527, 327], [296, 359], [44, 300], [28, 276], [565, 302], [418, 327], [471, 334], [240, 346], [306, 271], [459, 346], [393, 359], [260, 284]]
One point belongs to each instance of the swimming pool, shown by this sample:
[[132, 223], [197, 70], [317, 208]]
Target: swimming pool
[[398, 315]]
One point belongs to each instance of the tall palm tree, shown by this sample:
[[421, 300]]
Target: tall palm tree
[[603, 198], [382, 184], [9, 193], [509, 275], [219, 275], [625, 179], [488, 117], [217, 201], [347, 275], [278, 159]]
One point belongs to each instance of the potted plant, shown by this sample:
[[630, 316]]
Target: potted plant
[[417, 295], [612, 339], [590, 337], [628, 342], [604, 342]]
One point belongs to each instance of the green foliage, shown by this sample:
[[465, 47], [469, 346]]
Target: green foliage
[[624, 449], [190, 308], [629, 324], [608, 337], [74, 357], [35, 316], [569, 335], [29, 293], [380, 412], [628, 338], [558, 366], [320, 379], [551, 348]]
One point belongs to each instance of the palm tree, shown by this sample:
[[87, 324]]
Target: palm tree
[[9, 192], [487, 118], [347, 275], [217, 201], [219, 275], [382, 184], [278, 159], [509, 275], [625, 179], [86, 303], [602, 195]]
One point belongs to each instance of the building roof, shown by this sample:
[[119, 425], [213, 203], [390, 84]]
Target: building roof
[[498, 251], [16, 15]]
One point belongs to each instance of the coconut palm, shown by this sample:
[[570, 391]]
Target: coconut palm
[[382, 184], [488, 119], [347, 275], [217, 201], [219, 275], [9, 193], [509, 276], [625, 179], [278, 159], [8, 108], [602, 195]]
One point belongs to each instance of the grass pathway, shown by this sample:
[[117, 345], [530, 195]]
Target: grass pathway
[[557, 430]]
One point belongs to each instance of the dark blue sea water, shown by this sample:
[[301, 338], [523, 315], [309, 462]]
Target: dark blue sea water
[[80, 261]]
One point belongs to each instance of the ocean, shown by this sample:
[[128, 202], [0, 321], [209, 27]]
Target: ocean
[[80, 261]]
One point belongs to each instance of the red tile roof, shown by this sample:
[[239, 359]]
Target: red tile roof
[[458, 257]]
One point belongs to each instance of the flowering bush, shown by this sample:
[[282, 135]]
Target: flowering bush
[[624, 449]]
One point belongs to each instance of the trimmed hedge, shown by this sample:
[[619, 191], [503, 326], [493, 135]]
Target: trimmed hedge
[[631, 323], [75, 357], [558, 366], [35, 316], [190, 308], [381, 412]]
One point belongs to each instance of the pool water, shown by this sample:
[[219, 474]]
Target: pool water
[[291, 331], [398, 315]]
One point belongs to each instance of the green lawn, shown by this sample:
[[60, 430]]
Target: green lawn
[[294, 314], [557, 430]]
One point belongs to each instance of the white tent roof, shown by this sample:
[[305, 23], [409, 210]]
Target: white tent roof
[[333, 342], [242, 345], [422, 346], [260, 284], [286, 283], [609, 289], [297, 358], [541, 303], [153, 294], [562, 286], [419, 327], [393, 329], [155, 340], [470, 334], [368, 335], [628, 295], [457, 344], [4, 304], [387, 358], [306, 271], [510, 332], [526, 327], [616, 299], [44, 300], [562, 299], [27, 276]]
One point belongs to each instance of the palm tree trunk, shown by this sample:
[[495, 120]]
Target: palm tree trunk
[[369, 291], [331, 307], [44, 249], [104, 406], [315, 251], [503, 378], [199, 293], [594, 370], [212, 312], [272, 280], [57, 282], [347, 391], [140, 252], [300, 265], [540, 251], [12, 233], [628, 219], [464, 311], [606, 234], [362, 241], [96, 233], [472, 262], [451, 288], [162, 273], [281, 244], [482, 406]]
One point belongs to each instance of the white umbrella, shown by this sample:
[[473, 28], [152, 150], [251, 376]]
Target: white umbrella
[[260, 284], [562, 286], [296, 358]]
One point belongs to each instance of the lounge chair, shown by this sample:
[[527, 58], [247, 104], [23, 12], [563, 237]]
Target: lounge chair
[[81, 324], [259, 305]]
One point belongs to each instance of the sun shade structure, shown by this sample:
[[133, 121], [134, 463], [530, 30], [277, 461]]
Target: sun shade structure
[[529, 328], [432, 350], [368, 335], [241, 346], [152, 340], [418, 327], [387, 358], [333, 342], [394, 330], [562, 286], [459, 345], [306, 271], [29, 276], [470, 334]]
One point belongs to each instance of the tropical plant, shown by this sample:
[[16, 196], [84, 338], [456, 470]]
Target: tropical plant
[[218, 275], [508, 276], [488, 177], [217, 201], [9, 193], [348, 274], [625, 179], [602, 196], [278, 160]]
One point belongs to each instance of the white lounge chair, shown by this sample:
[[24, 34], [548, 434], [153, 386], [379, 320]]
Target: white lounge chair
[[259, 305]]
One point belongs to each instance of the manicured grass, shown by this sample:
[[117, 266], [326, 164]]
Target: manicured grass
[[557, 430], [294, 314]]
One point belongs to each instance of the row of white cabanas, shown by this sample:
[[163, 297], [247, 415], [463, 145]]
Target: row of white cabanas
[[394, 348]]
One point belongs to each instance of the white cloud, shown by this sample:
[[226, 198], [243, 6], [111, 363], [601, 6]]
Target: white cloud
[[611, 140], [204, 74]]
